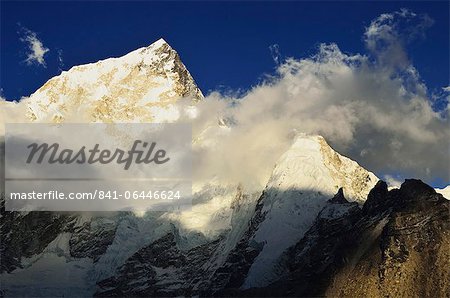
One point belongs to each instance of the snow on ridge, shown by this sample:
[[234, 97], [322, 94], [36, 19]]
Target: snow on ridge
[[335, 170], [305, 177], [141, 86]]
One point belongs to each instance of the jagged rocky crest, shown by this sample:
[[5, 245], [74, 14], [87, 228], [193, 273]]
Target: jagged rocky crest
[[397, 244]]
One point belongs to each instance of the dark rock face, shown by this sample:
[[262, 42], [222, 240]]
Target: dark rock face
[[26, 234], [398, 245], [91, 240], [160, 269], [164, 269], [377, 199], [339, 198], [137, 277], [232, 273]]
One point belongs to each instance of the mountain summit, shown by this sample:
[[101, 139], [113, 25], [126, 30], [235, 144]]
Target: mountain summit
[[141, 86]]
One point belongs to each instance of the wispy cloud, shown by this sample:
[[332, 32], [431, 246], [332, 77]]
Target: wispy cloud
[[60, 60], [387, 35], [35, 48], [275, 52], [392, 181]]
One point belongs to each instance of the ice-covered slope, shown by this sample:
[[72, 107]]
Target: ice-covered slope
[[305, 177], [141, 86]]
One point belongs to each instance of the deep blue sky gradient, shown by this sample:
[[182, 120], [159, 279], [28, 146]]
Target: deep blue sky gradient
[[224, 45]]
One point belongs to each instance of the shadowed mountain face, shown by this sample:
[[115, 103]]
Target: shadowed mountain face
[[398, 244]]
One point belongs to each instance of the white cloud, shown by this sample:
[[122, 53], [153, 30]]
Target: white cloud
[[35, 48], [2, 98], [371, 110], [392, 182], [60, 60]]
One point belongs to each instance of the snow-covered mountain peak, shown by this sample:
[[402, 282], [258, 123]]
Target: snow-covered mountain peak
[[160, 43], [306, 176], [311, 164], [141, 86]]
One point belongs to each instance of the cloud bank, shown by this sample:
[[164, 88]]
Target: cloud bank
[[371, 107]]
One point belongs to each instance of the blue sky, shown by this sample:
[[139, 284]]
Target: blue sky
[[225, 45]]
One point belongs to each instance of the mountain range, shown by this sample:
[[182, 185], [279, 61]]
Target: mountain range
[[321, 226]]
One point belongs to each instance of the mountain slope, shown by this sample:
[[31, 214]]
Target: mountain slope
[[411, 254], [398, 245], [305, 177]]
